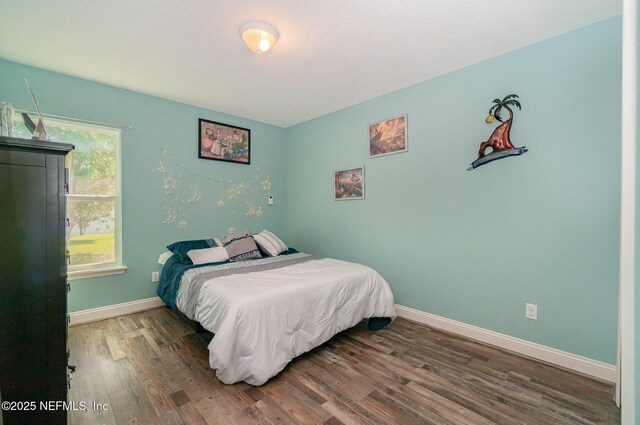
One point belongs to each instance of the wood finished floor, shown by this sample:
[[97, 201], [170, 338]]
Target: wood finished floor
[[151, 368]]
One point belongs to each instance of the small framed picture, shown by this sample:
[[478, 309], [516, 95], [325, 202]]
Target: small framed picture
[[388, 136], [223, 142], [348, 184]]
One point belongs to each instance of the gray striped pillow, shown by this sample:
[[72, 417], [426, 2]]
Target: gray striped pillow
[[241, 247], [270, 243]]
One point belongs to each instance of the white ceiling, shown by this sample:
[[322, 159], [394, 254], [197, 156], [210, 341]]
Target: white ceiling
[[331, 53]]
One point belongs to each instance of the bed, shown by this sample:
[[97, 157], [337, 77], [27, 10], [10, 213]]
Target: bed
[[265, 312]]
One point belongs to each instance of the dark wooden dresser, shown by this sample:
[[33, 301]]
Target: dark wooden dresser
[[33, 281]]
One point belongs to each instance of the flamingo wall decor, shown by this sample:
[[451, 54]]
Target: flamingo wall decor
[[499, 142]]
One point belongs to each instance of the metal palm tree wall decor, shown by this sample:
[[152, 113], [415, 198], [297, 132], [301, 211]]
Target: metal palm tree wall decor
[[499, 142]]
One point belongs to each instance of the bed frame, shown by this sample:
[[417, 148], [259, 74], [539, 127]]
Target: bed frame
[[199, 329]]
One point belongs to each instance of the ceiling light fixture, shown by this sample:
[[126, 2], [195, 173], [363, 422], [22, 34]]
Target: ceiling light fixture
[[259, 36]]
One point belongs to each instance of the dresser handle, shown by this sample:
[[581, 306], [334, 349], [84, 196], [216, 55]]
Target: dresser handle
[[66, 180]]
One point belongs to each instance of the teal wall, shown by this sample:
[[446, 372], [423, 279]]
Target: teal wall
[[158, 124], [637, 241], [475, 246], [470, 246]]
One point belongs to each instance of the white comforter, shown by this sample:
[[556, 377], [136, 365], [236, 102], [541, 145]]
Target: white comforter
[[262, 320]]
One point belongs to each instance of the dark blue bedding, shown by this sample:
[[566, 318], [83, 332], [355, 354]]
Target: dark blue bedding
[[171, 276]]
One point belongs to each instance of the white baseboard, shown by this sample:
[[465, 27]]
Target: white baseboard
[[115, 310], [597, 369]]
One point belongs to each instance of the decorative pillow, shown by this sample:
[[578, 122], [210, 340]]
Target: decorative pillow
[[241, 247], [181, 248], [164, 257], [269, 243], [208, 255]]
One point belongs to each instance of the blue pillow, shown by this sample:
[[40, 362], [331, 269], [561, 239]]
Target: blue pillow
[[181, 248]]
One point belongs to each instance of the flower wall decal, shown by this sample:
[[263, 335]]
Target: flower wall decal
[[187, 191]]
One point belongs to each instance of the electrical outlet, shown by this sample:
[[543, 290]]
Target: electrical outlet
[[531, 311], [155, 277]]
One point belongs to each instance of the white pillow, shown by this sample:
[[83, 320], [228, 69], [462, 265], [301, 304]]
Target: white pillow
[[208, 255], [270, 243], [164, 257]]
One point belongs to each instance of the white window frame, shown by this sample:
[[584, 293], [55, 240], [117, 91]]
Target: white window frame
[[99, 269], [115, 267]]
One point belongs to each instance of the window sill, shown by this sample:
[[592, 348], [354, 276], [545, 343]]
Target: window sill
[[106, 271]]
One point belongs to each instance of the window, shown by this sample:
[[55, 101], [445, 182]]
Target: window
[[93, 202]]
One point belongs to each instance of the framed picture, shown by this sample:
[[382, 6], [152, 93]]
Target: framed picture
[[224, 142], [348, 184], [388, 136]]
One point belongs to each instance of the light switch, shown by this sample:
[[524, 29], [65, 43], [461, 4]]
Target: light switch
[[270, 200]]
